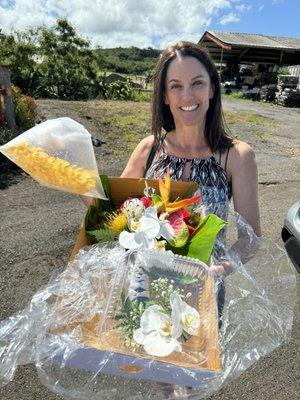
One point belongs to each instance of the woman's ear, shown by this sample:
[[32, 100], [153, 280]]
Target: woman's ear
[[166, 100], [211, 91]]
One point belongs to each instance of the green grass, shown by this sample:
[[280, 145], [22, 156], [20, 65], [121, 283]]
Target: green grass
[[242, 117], [128, 120]]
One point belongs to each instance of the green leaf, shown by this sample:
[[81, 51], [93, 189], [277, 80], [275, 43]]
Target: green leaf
[[157, 201], [106, 205], [102, 235], [202, 243], [93, 218]]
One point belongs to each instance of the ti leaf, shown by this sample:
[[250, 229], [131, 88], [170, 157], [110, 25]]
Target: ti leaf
[[202, 243]]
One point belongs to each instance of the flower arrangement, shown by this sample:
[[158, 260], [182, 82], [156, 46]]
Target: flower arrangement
[[157, 311], [161, 323], [154, 221]]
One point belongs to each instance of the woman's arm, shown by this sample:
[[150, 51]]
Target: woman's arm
[[243, 173], [136, 165]]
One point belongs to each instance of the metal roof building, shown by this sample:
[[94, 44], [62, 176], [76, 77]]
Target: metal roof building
[[239, 48]]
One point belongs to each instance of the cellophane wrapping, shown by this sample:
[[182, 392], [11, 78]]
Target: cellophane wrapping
[[58, 153], [66, 328]]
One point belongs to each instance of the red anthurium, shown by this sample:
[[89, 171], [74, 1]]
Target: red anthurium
[[181, 232]]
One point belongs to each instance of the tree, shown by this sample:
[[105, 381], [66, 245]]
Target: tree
[[69, 65], [18, 51]]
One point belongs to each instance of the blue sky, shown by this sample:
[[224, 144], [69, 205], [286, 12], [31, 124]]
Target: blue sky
[[267, 17], [155, 23]]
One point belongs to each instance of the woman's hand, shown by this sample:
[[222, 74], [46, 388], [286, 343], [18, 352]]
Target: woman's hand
[[222, 269], [87, 200]]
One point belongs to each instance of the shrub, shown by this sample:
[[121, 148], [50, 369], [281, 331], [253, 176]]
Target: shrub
[[142, 96], [237, 95], [25, 109], [119, 90]]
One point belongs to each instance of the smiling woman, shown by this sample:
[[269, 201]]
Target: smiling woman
[[189, 140], [188, 134]]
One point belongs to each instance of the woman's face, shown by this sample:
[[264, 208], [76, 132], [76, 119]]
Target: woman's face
[[187, 91]]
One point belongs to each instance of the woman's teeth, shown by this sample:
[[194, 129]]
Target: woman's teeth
[[190, 108]]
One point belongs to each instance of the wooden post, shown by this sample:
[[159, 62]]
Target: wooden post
[[220, 71], [8, 101]]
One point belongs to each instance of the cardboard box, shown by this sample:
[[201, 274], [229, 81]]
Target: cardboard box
[[114, 358]]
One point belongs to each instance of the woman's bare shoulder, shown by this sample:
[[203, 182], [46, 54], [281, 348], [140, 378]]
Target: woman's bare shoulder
[[241, 151], [137, 162], [241, 157], [146, 144]]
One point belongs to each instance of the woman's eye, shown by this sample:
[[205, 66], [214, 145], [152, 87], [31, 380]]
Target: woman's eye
[[196, 83], [175, 86]]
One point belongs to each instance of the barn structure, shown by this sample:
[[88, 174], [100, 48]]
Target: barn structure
[[252, 63], [230, 50]]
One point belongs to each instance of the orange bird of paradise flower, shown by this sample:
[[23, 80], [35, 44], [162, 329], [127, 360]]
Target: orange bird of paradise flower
[[170, 207]]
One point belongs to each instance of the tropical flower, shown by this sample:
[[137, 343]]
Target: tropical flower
[[145, 232], [166, 231], [189, 316], [180, 228], [133, 209], [147, 202], [164, 200], [116, 222], [158, 332]]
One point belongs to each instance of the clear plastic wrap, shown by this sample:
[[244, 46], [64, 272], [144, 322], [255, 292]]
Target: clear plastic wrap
[[66, 331], [58, 153]]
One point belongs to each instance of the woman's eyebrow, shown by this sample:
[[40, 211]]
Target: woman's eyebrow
[[198, 76], [178, 80]]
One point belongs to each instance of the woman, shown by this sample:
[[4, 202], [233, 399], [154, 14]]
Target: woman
[[195, 145]]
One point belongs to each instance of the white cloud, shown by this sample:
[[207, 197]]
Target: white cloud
[[260, 8], [242, 8], [231, 17], [111, 23]]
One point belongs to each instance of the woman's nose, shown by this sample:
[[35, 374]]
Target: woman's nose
[[187, 93]]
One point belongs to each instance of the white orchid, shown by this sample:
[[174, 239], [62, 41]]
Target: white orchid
[[166, 230], [145, 232], [188, 316], [158, 332]]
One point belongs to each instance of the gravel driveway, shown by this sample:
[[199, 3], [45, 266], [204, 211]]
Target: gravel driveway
[[39, 225]]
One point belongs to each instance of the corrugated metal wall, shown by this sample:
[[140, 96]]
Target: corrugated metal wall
[[295, 71]]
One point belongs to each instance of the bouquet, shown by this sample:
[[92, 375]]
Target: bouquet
[[154, 221], [160, 304]]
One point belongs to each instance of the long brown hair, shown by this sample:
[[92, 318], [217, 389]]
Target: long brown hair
[[162, 118]]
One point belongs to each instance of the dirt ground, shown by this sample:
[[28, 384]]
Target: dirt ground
[[39, 225]]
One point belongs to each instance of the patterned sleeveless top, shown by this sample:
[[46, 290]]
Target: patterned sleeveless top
[[213, 183]]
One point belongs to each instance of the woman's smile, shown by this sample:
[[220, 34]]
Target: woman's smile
[[190, 108]]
